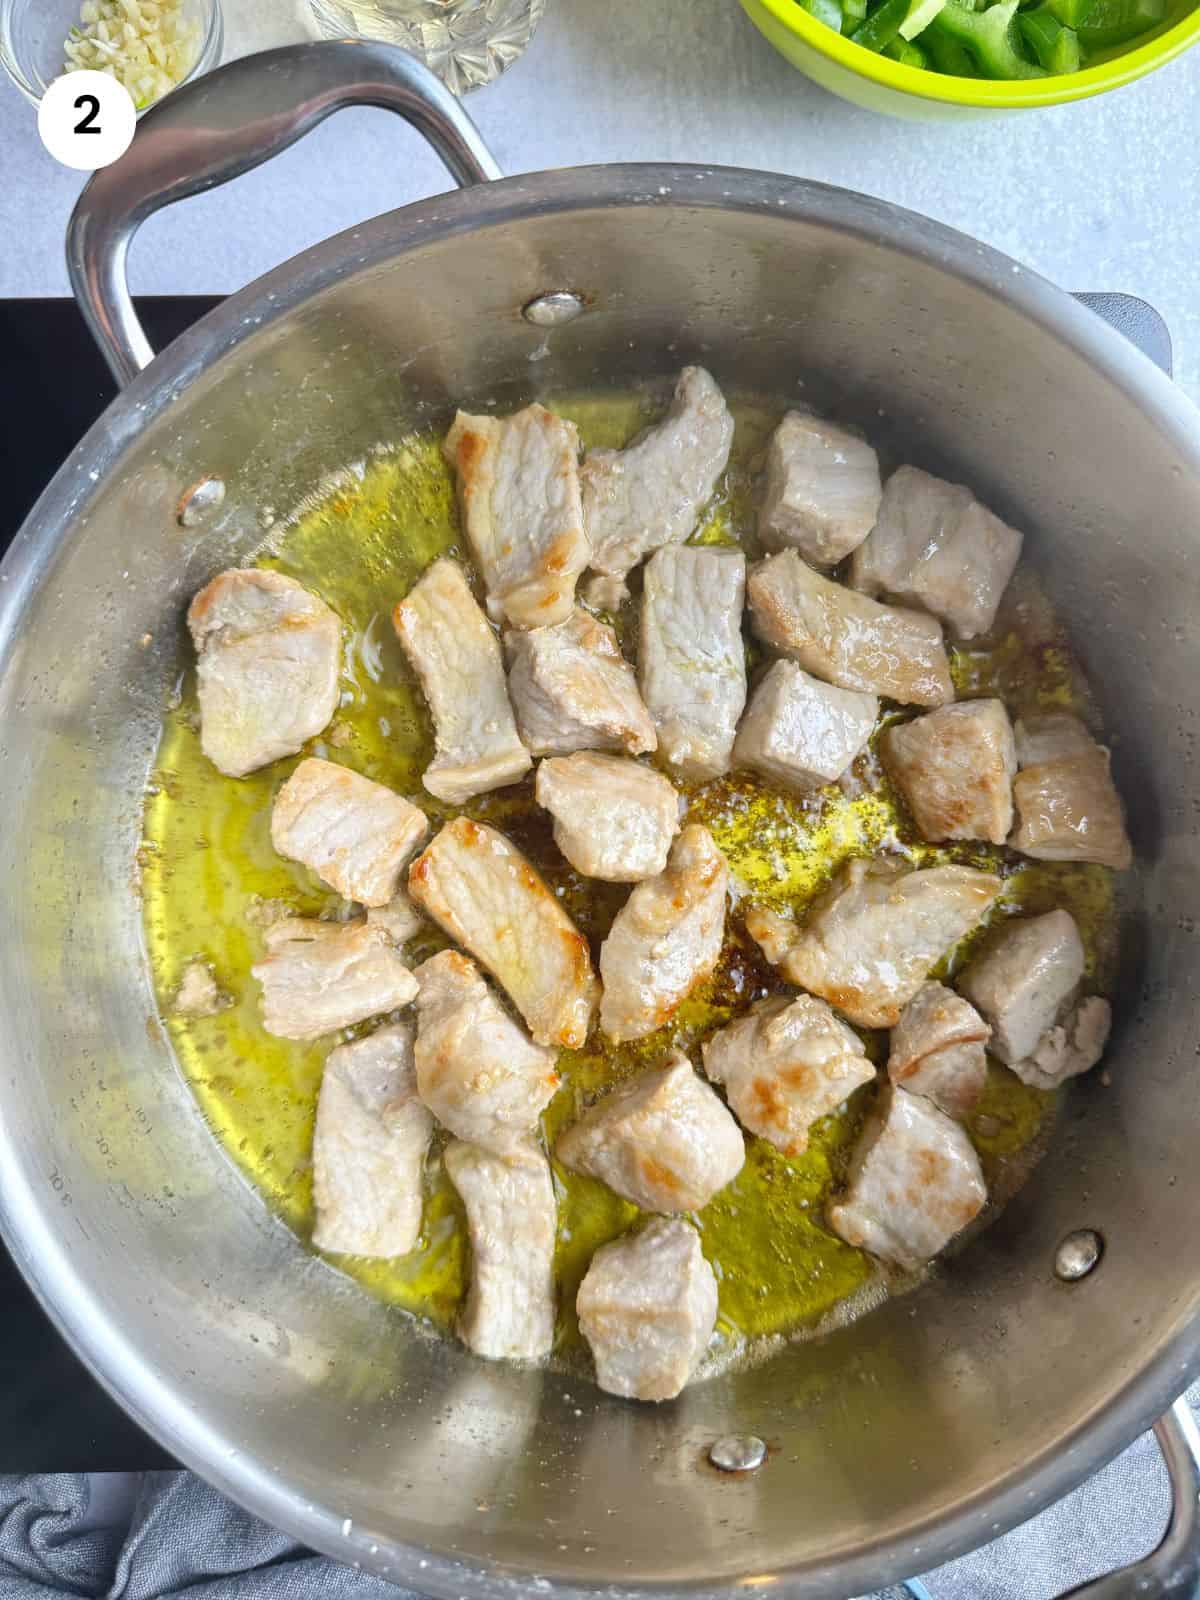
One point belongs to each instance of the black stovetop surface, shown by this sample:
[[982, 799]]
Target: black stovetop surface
[[54, 1417]]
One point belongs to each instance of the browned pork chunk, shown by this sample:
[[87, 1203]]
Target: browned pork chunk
[[613, 819], [938, 1049], [318, 977], [873, 936], [1068, 808], [664, 1141], [647, 1307], [652, 493], [665, 939], [574, 690], [1026, 982], [785, 1065], [477, 1070], [479, 887], [518, 487], [822, 490], [846, 638], [511, 1219], [268, 657], [1022, 978], [955, 768], [457, 658], [1073, 1045], [354, 834], [936, 547], [691, 659], [801, 733], [399, 919], [369, 1147], [915, 1182]]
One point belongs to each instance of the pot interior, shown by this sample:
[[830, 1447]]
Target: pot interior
[[912, 1433]]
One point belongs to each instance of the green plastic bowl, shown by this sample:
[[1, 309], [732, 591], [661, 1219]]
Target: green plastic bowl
[[884, 85]]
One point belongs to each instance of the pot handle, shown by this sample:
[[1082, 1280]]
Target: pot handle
[[224, 124], [1172, 1572]]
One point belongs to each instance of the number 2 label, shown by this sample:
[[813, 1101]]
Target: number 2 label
[[90, 106], [87, 120]]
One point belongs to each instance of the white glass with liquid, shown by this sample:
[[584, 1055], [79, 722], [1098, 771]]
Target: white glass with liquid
[[466, 42]]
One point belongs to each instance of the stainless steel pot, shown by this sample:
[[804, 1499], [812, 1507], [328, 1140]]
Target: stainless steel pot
[[895, 1443]]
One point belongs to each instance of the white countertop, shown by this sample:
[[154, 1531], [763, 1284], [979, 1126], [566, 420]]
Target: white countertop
[[1100, 195]]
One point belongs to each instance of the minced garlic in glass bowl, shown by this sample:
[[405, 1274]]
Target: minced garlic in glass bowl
[[148, 45]]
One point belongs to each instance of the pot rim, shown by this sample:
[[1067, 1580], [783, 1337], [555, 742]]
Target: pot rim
[[28, 1213]]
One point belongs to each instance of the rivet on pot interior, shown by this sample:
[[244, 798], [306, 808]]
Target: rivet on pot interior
[[200, 501], [737, 1452], [1077, 1254], [555, 309]]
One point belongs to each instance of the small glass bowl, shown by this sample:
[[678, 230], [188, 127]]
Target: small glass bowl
[[32, 33]]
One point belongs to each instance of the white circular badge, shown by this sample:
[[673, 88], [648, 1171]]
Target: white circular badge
[[87, 120]]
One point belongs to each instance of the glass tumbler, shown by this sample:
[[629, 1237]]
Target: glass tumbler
[[466, 42], [33, 32]]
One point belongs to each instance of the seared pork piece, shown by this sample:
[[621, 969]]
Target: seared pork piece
[[664, 1141], [613, 819], [936, 547], [785, 1065], [268, 657], [477, 1070], [915, 1181], [369, 1147], [938, 1049], [1068, 808], [318, 977], [457, 658], [691, 660], [601, 593], [650, 494], [801, 733], [518, 488], [354, 834], [1071, 1046], [822, 490], [955, 769], [872, 937], [199, 994], [399, 919], [647, 1307], [665, 939], [1056, 736], [574, 690], [483, 892], [511, 1219], [845, 638], [1023, 979]]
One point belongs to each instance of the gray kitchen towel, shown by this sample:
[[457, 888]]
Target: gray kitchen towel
[[169, 1536]]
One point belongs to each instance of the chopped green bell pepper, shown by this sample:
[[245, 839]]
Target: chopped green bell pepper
[[908, 55], [920, 14], [1112, 22], [947, 56], [827, 11], [1056, 47], [853, 12], [1070, 12], [882, 26], [989, 36]]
